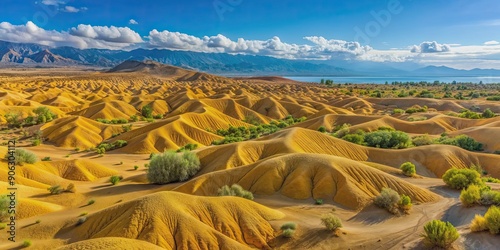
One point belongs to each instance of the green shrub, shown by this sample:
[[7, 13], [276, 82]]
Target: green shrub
[[388, 139], [22, 156], [405, 203], [3, 226], [331, 222], [490, 198], [90, 202], [469, 115], [136, 167], [188, 147], [493, 98], [318, 201], [56, 189], [288, 233], [235, 190], [147, 111], [440, 234], [115, 179], [322, 129], [4, 207], [388, 199], [171, 167], [398, 111], [408, 169], [492, 217], [470, 196], [38, 221], [289, 225], [478, 224], [422, 140], [488, 113], [36, 142], [462, 141], [44, 114], [461, 178], [27, 243], [46, 158], [134, 118], [355, 138]]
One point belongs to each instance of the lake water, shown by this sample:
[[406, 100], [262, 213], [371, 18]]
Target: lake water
[[390, 79]]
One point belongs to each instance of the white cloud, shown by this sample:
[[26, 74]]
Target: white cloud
[[430, 47], [108, 34], [72, 9], [132, 21], [89, 37], [52, 2], [322, 48], [491, 43]]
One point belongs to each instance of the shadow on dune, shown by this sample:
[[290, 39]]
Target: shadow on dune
[[371, 215]]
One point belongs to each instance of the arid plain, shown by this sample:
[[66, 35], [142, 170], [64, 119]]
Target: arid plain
[[297, 173]]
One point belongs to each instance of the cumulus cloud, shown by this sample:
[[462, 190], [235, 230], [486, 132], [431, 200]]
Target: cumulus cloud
[[430, 47], [83, 37], [491, 43], [72, 9], [108, 34], [132, 21], [52, 2], [321, 48]]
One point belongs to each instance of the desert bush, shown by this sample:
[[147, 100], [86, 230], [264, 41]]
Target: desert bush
[[416, 109], [408, 169], [490, 198], [470, 196], [127, 128], [342, 130], [322, 129], [147, 111], [388, 199], [3, 226], [478, 224], [91, 202], [171, 167], [115, 179], [469, 115], [235, 190], [318, 201], [331, 222], [288, 233], [188, 147], [422, 140], [488, 113], [490, 179], [56, 189], [461, 178], [439, 233], [462, 141], [14, 120], [70, 188], [355, 138], [388, 139], [4, 207], [134, 118], [493, 98], [405, 203], [289, 225], [492, 217], [398, 111], [27, 243], [44, 114], [81, 220], [22, 156], [136, 167], [36, 142]]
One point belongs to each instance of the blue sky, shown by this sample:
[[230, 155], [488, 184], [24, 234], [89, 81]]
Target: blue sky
[[459, 33]]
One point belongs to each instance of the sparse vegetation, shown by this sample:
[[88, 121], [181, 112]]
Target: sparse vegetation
[[288, 233], [408, 169], [147, 111], [478, 224], [235, 190], [492, 217], [188, 147], [81, 220], [440, 234], [470, 196], [172, 167], [27, 243], [22, 156], [90, 202], [136, 167], [331, 222], [4, 208], [461, 178], [115, 179]]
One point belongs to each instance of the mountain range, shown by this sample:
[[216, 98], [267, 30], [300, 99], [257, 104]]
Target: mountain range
[[25, 54]]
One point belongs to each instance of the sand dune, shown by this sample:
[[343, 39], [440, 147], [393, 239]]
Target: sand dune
[[177, 221], [303, 176]]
